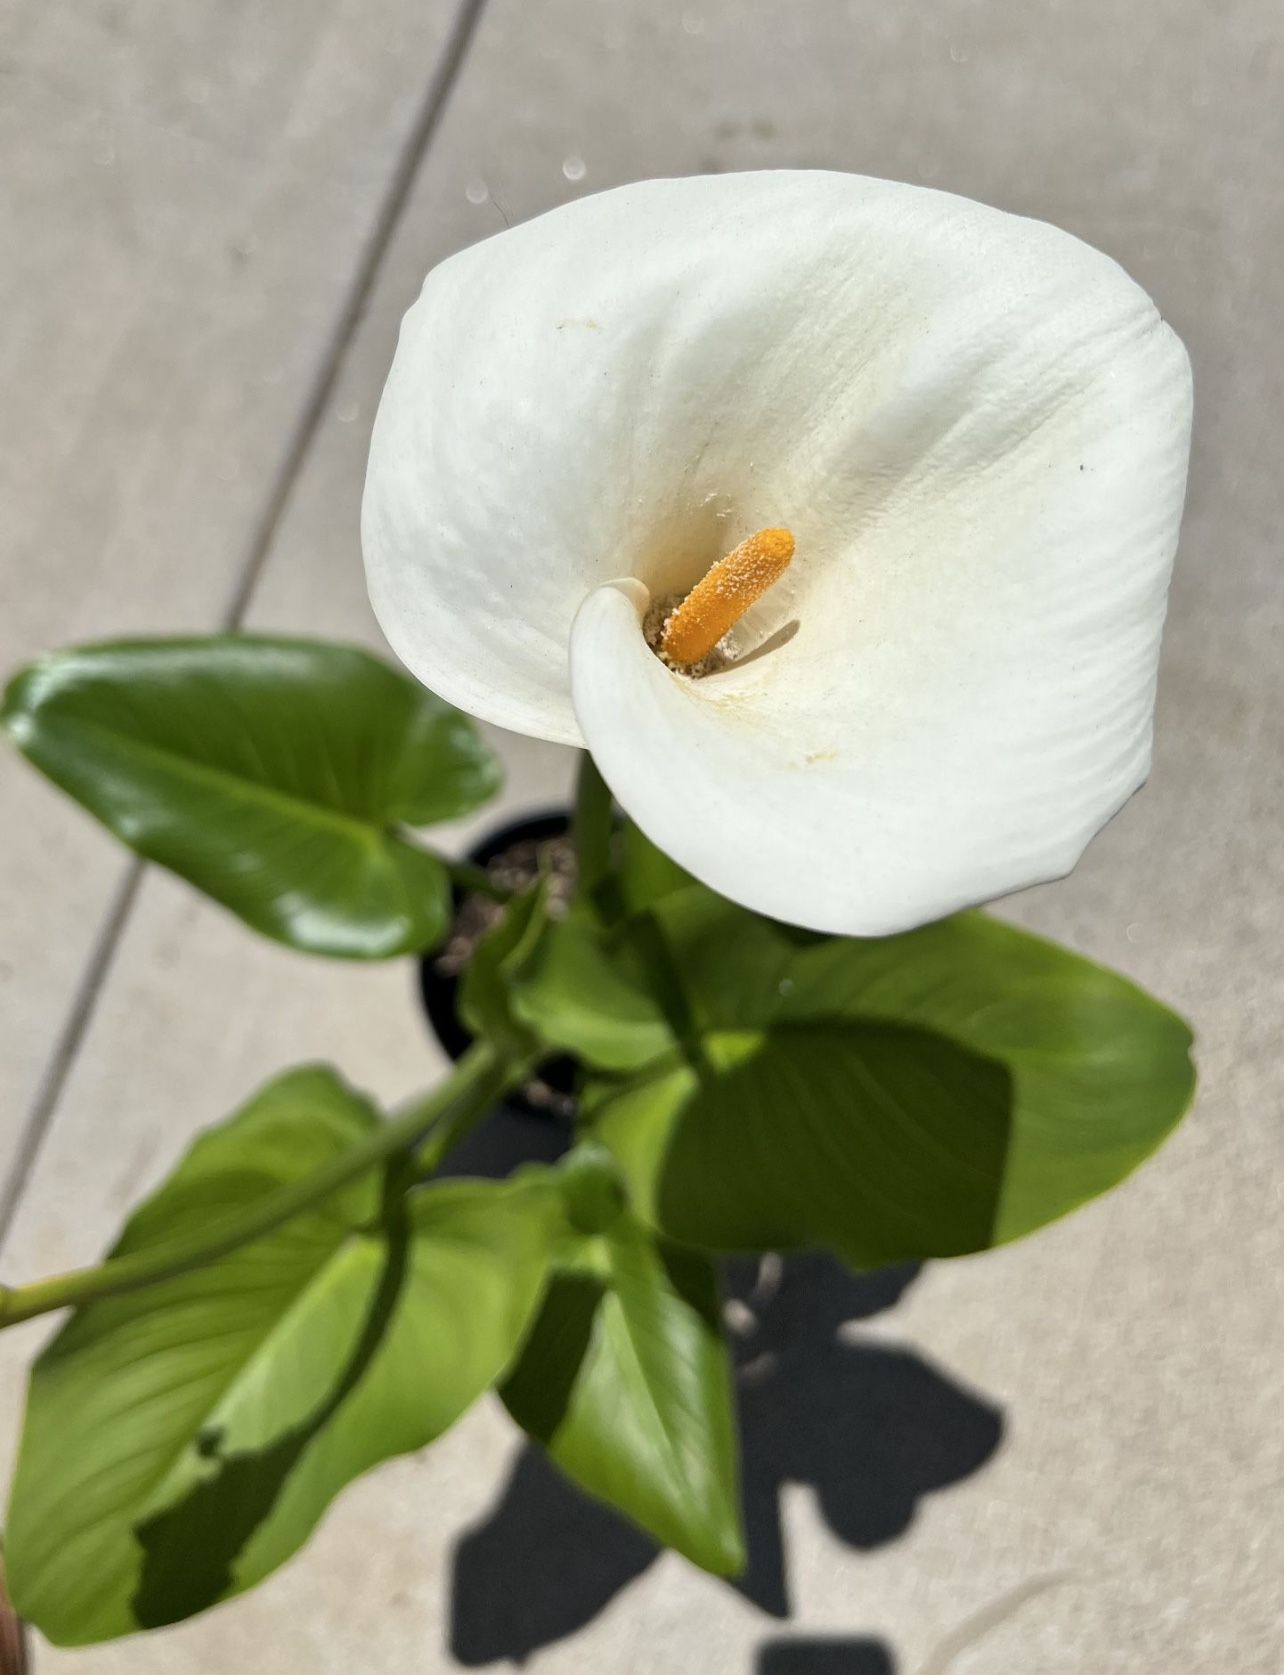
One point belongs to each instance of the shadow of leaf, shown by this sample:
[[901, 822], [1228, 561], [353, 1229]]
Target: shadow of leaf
[[825, 1657], [870, 1428], [545, 1563]]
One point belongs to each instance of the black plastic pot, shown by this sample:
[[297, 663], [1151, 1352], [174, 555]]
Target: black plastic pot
[[440, 990]]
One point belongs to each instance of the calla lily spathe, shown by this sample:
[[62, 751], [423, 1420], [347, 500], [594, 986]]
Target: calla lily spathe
[[976, 428]]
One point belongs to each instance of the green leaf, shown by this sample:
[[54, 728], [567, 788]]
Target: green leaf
[[625, 1380], [647, 875], [583, 988], [602, 986], [182, 1441], [537, 986], [901, 1098], [485, 995], [592, 1188], [622, 991], [273, 774]]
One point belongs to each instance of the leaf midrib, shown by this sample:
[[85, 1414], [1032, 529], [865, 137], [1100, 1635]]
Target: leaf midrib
[[670, 1449], [368, 831]]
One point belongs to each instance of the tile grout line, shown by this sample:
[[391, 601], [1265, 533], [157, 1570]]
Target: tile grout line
[[413, 153], [67, 1047]]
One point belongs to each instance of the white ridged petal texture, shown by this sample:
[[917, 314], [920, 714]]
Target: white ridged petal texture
[[977, 429]]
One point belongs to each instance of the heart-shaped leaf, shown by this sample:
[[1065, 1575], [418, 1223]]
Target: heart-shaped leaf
[[276, 775], [182, 1441], [625, 1380]]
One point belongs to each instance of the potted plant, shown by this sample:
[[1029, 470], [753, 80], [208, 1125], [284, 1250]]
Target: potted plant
[[835, 519]]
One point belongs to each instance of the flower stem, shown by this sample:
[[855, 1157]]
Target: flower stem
[[591, 826], [480, 1078]]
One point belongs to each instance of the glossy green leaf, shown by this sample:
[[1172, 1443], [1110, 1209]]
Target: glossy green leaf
[[625, 1380], [182, 1441], [906, 1097], [276, 775]]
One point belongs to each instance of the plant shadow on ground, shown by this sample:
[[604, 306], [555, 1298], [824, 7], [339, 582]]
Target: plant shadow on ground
[[825, 1657], [870, 1427]]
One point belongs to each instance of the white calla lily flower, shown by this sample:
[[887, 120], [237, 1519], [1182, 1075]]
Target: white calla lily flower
[[974, 427]]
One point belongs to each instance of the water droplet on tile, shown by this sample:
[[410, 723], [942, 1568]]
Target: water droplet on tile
[[477, 191], [693, 23], [574, 167], [1133, 932], [348, 412], [958, 54]]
